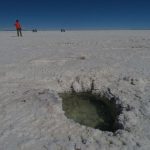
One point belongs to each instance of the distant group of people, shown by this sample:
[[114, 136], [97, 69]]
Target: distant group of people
[[18, 28]]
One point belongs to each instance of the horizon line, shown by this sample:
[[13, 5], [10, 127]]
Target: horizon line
[[79, 29]]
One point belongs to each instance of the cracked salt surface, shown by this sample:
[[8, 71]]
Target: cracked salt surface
[[32, 74]]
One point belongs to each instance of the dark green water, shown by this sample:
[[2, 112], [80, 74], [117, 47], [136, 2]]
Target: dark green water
[[90, 109]]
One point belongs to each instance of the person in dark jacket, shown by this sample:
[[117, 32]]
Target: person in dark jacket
[[18, 28]]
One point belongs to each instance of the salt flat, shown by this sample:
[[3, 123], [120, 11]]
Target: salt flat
[[36, 67]]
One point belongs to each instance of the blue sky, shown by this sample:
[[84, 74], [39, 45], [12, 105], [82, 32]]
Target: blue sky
[[75, 14]]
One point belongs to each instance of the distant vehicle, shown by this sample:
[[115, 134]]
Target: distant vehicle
[[34, 30], [63, 30]]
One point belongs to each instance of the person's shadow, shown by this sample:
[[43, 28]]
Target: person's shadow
[[14, 36]]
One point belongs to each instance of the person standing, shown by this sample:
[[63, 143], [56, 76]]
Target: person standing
[[18, 28]]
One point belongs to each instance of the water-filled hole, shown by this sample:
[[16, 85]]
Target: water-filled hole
[[92, 110]]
